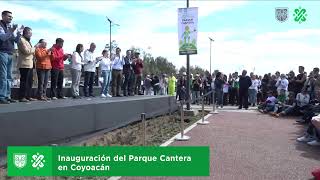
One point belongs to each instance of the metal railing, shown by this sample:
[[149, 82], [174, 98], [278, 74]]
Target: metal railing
[[182, 136]]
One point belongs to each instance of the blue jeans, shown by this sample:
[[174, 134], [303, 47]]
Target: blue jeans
[[252, 96], [5, 75], [195, 96], [219, 97], [106, 75]]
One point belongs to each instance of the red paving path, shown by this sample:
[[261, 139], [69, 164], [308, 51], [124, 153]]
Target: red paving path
[[252, 146]]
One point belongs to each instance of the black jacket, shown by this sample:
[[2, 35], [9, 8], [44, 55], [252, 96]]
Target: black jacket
[[244, 82]]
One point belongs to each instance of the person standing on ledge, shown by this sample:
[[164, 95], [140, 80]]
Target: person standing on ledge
[[244, 84], [128, 73], [117, 67], [57, 61], [7, 40], [90, 63], [76, 65], [25, 65], [138, 68], [43, 68], [105, 66]]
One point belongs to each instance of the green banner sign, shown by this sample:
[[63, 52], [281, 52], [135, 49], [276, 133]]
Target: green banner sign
[[108, 161]]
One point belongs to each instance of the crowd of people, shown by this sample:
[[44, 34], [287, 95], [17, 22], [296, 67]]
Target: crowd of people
[[121, 74], [296, 96], [276, 94]]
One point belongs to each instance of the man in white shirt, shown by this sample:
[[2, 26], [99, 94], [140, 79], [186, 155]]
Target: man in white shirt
[[282, 84], [90, 63], [117, 68]]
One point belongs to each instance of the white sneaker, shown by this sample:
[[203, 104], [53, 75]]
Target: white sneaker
[[314, 143], [103, 96], [305, 138], [109, 95]]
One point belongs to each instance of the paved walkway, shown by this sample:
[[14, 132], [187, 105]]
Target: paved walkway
[[251, 146]]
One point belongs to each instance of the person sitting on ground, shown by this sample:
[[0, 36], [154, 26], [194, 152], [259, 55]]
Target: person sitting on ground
[[269, 104], [312, 135], [302, 102], [281, 103]]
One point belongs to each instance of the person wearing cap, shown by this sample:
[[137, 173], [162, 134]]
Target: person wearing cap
[[138, 68]]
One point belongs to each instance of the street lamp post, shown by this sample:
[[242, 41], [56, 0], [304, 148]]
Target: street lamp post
[[211, 40], [188, 75], [110, 23]]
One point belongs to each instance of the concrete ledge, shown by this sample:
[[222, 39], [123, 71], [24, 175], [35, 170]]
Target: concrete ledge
[[42, 123]]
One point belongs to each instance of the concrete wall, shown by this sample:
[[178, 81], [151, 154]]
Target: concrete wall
[[40, 123]]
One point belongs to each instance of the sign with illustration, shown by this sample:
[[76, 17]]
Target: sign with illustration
[[187, 27]]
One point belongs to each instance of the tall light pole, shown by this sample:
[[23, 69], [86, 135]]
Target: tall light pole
[[211, 40], [111, 23], [188, 75]]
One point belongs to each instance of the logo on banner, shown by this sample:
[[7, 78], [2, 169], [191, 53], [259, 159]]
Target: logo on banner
[[282, 14], [38, 161], [20, 160]]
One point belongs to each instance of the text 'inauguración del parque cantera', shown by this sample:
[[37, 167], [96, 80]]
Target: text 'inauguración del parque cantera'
[[100, 162]]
